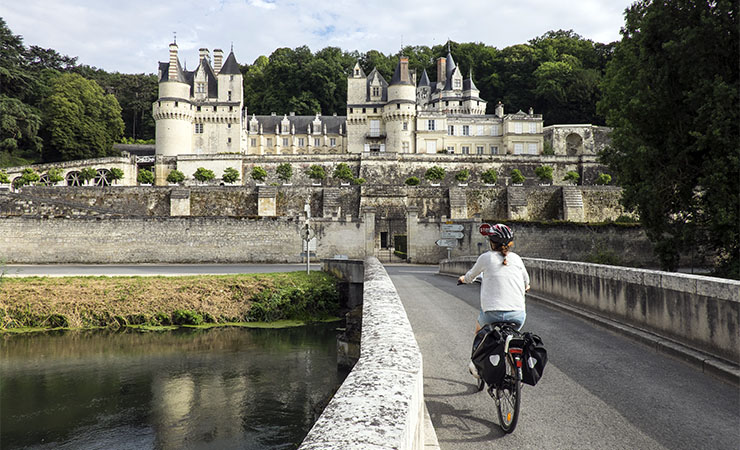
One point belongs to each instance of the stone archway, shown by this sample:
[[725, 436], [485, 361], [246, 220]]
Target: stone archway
[[574, 144]]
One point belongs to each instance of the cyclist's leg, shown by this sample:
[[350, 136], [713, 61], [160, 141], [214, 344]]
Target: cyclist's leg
[[517, 317]]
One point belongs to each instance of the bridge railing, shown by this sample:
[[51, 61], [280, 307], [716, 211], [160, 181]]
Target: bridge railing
[[699, 312], [380, 405]]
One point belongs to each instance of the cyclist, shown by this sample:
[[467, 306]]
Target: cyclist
[[505, 280]]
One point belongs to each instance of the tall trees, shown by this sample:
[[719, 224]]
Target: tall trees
[[671, 94]]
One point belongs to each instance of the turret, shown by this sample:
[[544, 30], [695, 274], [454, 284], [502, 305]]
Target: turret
[[423, 90], [173, 111], [400, 112], [401, 87]]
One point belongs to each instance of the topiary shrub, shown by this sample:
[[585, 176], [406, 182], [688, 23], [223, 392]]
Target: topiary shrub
[[516, 176], [175, 177], [87, 174], [412, 181], [231, 175], [28, 176], [202, 174], [489, 176], [115, 174], [343, 172], [258, 174], [462, 176], [284, 172], [145, 176], [435, 174], [572, 176], [358, 180], [603, 179], [544, 173], [4, 177], [55, 175], [316, 172]]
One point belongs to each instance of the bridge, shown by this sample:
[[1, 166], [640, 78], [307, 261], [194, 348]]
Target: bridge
[[638, 359]]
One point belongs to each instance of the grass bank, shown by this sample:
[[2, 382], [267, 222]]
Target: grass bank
[[113, 302]]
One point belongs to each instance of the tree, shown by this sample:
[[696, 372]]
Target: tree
[[80, 120], [19, 127], [435, 174], [516, 176], [572, 176], [231, 175], [258, 174], [87, 174], [462, 175], [284, 172], [544, 173], [343, 172], [316, 172], [489, 176], [115, 174], [671, 95], [202, 174], [145, 176], [175, 177]]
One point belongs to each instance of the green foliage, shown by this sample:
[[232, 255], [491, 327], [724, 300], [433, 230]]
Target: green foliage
[[316, 172], [671, 93], [28, 177], [4, 177], [175, 177], [186, 317], [115, 174], [544, 173], [87, 174], [313, 297], [435, 174], [55, 175], [145, 176], [132, 141], [19, 127], [358, 180], [462, 176], [516, 176], [258, 174], [412, 181], [284, 172], [343, 172], [572, 176], [604, 255], [203, 175], [231, 175], [603, 179], [489, 176], [547, 148]]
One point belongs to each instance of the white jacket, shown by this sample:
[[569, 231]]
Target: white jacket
[[503, 286]]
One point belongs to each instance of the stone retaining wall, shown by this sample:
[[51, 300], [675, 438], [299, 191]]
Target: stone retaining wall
[[697, 311], [380, 405]]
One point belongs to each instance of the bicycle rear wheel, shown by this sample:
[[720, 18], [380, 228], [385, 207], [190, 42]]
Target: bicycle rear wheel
[[508, 397]]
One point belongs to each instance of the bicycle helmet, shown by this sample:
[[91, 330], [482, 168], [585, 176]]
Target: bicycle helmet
[[499, 234]]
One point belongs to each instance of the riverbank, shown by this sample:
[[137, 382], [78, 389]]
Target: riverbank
[[43, 303]]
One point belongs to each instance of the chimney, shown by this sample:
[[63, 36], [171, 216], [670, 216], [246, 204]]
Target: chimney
[[499, 110], [405, 78], [172, 72], [218, 57], [441, 70], [203, 53]]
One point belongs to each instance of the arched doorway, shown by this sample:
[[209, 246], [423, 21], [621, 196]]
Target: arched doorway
[[574, 144]]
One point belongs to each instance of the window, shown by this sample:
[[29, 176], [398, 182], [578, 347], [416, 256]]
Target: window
[[200, 88], [317, 142], [215, 109], [495, 130], [457, 83], [301, 142], [517, 128], [518, 149], [253, 142], [269, 142], [363, 110], [532, 149], [405, 147], [451, 130], [231, 78], [333, 142], [376, 91], [231, 108], [466, 130], [228, 141], [176, 103], [480, 130], [431, 146], [198, 128], [405, 126], [228, 125], [375, 110], [479, 150], [532, 127], [285, 142], [494, 150], [450, 149], [398, 106], [465, 150], [374, 128], [197, 108], [229, 95], [430, 125]]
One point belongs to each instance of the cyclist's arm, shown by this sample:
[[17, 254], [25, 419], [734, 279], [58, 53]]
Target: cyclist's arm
[[474, 271]]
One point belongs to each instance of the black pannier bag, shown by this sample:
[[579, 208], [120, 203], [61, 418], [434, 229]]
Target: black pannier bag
[[488, 355], [534, 359]]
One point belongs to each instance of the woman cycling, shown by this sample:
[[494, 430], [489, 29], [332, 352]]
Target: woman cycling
[[505, 280]]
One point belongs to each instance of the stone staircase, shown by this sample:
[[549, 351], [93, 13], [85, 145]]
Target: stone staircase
[[573, 210], [516, 202], [458, 203], [331, 203]]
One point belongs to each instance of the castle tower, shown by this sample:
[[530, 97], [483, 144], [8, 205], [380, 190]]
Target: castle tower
[[173, 111], [399, 113], [423, 91], [230, 100]]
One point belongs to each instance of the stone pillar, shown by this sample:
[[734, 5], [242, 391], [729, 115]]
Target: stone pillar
[[180, 202], [368, 213], [412, 221], [266, 201]]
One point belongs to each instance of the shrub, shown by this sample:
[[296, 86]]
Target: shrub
[[544, 173], [145, 176], [358, 180], [316, 172], [547, 148], [87, 174], [434, 174], [4, 177], [343, 172], [412, 181], [572, 176], [55, 175], [462, 176], [258, 174], [186, 317], [603, 179], [489, 176], [284, 172], [516, 176], [231, 175], [115, 174], [176, 177], [202, 174], [28, 176]]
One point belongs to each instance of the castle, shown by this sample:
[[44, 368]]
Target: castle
[[202, 112]]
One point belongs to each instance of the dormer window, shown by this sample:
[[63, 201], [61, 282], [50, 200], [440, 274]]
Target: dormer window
[[200, 88], [376, 91], [357, 72], [457, 83]]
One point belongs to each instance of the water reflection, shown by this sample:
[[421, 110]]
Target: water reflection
[[221, 388]]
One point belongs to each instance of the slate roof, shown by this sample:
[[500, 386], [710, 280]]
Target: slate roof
[[230, 67], [301, 123], [383, 85], [424, 79], [397, 78]]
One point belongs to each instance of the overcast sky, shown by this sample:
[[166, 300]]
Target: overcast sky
[[130, 36]]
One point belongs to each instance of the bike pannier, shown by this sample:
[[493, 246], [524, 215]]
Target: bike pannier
[[534, 359], [488, 355]]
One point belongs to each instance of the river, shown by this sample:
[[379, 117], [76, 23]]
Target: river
[[219, 388]]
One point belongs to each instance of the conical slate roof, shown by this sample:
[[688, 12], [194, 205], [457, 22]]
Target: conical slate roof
[[230, 67], [401, 74], [424, 79]]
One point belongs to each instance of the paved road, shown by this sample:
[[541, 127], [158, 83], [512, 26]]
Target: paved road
[[600, 389], [60, 270]]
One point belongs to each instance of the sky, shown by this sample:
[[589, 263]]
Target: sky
[[131, 36]]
